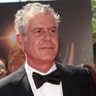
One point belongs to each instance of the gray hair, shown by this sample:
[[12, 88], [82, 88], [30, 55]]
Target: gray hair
[[29, 10]]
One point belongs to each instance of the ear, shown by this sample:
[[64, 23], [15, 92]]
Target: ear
[[20, 41]]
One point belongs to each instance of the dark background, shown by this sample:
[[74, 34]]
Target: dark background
[[75, 31]]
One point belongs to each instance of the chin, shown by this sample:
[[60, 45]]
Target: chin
[[48, 59]]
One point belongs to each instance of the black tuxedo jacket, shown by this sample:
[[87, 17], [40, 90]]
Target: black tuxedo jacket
[[75, 82]]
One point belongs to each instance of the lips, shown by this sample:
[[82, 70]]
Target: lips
[[47, 48]]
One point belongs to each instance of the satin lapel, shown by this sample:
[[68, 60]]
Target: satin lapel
[[70, 87], [21, 85], [27, 87]]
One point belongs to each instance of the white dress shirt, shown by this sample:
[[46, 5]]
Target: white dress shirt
[[47, 89]]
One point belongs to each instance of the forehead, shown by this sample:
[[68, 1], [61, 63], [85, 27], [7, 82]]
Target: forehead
[[42, 17]]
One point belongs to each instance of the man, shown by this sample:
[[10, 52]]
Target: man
[[37, 35]]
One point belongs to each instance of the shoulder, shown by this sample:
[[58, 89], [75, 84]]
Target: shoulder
[[77, 76], [12, 78], [81, 76], [71, 68], [73, 71]]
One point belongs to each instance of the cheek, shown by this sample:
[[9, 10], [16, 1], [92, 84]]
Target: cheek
[[57, 47], [31, 43], [56, 43]]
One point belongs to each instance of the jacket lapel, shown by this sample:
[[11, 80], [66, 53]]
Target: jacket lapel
[[24, 88], [70, 87]]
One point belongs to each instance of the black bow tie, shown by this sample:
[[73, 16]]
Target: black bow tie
[[53, 78]]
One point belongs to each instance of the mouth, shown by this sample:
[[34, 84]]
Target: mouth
[[47, 48]]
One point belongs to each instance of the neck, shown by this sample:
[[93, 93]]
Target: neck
[[41, 66]]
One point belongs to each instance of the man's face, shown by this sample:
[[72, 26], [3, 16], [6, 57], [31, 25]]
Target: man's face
[[41, 39]]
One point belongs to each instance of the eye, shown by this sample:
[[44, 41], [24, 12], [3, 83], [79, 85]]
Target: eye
[[53, 31], [37, 32]]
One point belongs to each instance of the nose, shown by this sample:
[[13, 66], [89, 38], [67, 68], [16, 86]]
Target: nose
[[47, 35]]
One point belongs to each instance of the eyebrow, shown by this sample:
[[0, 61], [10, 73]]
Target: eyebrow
[[36, 28], [43, 28]]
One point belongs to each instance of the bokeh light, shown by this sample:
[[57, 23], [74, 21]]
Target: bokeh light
[[9, 36]]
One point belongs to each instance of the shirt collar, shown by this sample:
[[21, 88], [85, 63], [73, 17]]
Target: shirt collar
[[30, 69]]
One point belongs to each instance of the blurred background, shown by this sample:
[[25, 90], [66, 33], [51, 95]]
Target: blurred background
[[12, 58]]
